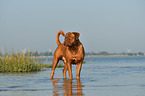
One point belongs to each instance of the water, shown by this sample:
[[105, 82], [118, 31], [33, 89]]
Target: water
[[100, 76]]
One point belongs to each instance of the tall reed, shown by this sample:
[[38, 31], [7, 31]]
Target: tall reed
[[18, 62]]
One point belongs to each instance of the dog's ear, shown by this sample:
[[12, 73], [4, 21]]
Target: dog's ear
[[76, 34]]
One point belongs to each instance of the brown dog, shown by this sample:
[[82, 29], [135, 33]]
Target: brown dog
[[71, 52]]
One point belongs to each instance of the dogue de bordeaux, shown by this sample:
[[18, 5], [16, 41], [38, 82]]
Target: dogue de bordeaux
[[71, 52]]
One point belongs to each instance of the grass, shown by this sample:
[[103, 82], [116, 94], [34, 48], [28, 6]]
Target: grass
[[19, 62]]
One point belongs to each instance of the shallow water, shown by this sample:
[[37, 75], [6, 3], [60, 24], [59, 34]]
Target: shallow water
[[100, 76]]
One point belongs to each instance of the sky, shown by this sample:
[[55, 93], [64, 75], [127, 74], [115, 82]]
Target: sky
[[104, 25]]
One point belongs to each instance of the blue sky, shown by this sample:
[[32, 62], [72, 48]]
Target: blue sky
[[104, 25]]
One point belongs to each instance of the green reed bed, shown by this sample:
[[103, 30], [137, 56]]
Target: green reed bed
[[19, 62]]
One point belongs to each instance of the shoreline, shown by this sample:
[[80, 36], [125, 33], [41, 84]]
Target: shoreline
[[114, 56]]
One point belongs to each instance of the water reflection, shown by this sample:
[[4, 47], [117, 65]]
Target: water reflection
[[68, 88]]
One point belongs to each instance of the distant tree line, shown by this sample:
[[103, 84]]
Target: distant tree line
[[39, 54], [87, 53], [123, 53], [100, 53], [50, 53]]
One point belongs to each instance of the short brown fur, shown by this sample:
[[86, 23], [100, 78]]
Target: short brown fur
[[71, 52]]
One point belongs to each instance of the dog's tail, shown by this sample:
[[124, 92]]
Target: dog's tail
[[57, 37]]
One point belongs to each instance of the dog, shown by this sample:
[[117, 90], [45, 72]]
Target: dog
[[70, 52]]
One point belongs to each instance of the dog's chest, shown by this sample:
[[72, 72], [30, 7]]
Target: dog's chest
[[74, 60], [74, 52], [73, 55]]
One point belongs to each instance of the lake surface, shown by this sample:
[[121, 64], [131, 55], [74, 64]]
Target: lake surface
[[100, 76]]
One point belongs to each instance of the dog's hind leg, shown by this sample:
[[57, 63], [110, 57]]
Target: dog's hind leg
[[55, 61]]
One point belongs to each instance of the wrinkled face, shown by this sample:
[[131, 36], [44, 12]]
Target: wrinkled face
[[71, 38]]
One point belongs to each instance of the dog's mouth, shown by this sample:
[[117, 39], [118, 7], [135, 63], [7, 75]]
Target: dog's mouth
[[66, 44]]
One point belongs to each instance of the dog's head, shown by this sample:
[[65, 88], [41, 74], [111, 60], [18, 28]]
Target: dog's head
[[71, 39]]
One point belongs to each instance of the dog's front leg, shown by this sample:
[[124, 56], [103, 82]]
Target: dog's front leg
[[64, 70], [69, 66], [79, 66]]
